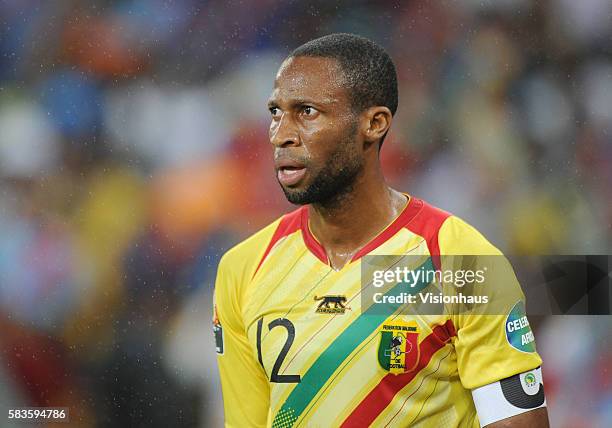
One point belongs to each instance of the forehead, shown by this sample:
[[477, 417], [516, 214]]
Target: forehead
[[314, 78]]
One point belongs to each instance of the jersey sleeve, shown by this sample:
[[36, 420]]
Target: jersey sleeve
[[244, 385], [497, 342]]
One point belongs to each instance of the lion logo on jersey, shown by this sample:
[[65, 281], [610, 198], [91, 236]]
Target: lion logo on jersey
[[331, 304], [398, 350]]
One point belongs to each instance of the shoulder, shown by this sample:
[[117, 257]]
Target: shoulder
[[242, 260], [446, 233], [456, 237]]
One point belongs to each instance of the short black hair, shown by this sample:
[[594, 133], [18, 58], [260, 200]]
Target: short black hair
[[367, 67]]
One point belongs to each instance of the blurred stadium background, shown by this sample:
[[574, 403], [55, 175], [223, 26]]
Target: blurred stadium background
[[133, 153]]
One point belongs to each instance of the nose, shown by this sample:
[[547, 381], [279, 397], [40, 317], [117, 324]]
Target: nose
[[283, 132]]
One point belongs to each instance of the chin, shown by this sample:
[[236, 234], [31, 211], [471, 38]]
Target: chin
[[296, 196]]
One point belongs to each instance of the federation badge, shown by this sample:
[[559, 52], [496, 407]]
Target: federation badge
[[530, 380], [398, 351]]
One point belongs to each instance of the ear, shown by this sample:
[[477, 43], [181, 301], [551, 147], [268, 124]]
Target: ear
[[376, 121]]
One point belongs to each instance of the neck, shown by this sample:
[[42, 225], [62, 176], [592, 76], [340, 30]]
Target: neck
[[349, 221]]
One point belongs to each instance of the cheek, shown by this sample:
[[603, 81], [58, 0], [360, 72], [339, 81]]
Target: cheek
[[321, 144], [324, 139], [334, 151], [323, 133]]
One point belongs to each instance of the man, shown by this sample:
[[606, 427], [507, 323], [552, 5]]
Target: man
[[296, 345]]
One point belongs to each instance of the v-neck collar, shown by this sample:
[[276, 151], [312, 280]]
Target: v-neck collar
[[411, 209]]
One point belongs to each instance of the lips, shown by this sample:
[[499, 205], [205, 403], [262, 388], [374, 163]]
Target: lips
[[289, 171]]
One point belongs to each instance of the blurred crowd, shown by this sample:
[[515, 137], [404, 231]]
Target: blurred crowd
[[134, 152]]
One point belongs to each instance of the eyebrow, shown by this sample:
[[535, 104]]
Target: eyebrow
[[301, 101]]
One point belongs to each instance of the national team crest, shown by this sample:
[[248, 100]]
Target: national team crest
[[398, 351]]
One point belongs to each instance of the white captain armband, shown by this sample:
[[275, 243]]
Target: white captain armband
[[509, 397]]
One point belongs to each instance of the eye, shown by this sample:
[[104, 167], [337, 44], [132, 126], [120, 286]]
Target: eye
[[275, 112], [309, 111]]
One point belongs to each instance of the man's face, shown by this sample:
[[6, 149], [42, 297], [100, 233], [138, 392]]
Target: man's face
[[317, 154]]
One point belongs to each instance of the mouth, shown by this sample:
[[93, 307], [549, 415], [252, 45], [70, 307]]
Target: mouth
[[289, 172]]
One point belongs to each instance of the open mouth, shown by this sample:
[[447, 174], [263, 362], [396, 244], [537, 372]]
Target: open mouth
[[290, 175]]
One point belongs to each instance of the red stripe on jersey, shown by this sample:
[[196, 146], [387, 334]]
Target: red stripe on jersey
[[381, 396], [288, 224], [427, 223]]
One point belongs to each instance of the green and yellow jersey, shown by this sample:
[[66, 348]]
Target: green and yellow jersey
[[296, 349]]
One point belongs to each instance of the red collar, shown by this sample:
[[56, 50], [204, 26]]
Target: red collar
[[410, 211]]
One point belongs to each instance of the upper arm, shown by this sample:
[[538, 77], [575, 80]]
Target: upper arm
[[495, 345], [244, 385], [494, 340], [537, 418]]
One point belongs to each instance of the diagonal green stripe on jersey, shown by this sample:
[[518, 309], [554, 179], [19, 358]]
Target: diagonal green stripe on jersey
[[331, 358]]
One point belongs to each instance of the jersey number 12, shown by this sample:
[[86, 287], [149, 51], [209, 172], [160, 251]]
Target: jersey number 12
[[288, 325]]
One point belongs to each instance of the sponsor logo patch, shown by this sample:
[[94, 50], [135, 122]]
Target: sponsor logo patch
[[335, 304], [518, 330], [398, 350]]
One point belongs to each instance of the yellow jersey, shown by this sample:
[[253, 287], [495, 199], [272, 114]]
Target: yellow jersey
[[296, 348]]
